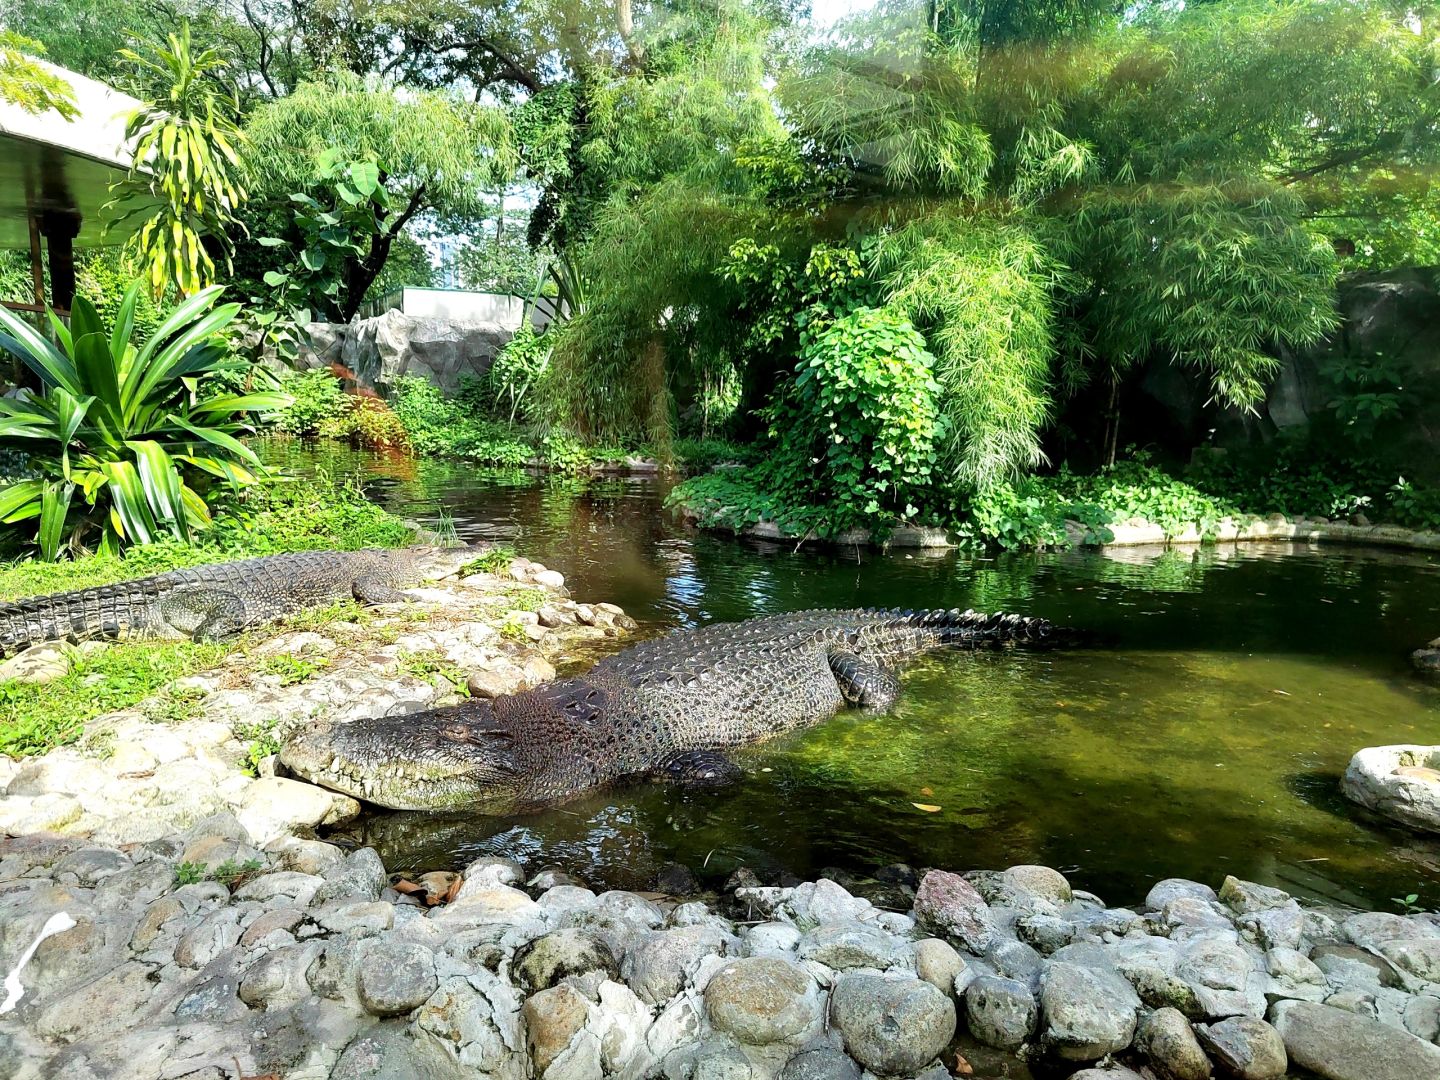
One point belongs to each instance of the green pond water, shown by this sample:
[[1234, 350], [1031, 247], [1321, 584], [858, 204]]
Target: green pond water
[[1206, 735]]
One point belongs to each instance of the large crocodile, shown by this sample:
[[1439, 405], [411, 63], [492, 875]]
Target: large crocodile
[[205, 603], [663, 708]]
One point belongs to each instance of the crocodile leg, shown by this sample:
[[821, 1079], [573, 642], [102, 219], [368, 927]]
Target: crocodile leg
[[863, 682], [699, 769], [372, 589]]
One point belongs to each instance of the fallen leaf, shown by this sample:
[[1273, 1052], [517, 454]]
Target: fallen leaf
[[962, 1067], [1282, 693], [929, 808], [454, 889], [927, 791], [409, 888]]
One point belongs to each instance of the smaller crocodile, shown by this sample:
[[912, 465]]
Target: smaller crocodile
[[206, 603], [1427, 659], [664, 708]]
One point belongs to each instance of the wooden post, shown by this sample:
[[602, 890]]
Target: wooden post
[[60, 230], [37, 267]]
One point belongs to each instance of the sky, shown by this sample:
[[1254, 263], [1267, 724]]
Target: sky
[[825, 12]]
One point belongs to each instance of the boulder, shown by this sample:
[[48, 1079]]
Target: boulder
[[938, 963], [657, 966], [553, 1018], [948, 905], [380, 351], [1169, 1044], [1086, 1012], [1245, 1048], [762, 1000], [1338, 1045], [396, 978], [554, 956], [1400, 782], [892, 1026], [821, 1063], [1427, 660], [1001, 1012]]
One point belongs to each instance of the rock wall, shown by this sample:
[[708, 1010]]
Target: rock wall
[[1393, 314], [379, 351]]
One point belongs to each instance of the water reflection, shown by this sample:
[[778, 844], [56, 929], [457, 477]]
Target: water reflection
[[1206, 738]]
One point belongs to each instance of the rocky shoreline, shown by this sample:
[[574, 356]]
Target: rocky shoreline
[[300, 960]]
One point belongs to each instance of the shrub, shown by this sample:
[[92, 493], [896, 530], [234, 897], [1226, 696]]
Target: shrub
[[139, 433], [857, 431], [315, 397], [519, 372]]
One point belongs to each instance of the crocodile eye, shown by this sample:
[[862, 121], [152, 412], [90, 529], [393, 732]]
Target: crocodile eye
[[457, 732]]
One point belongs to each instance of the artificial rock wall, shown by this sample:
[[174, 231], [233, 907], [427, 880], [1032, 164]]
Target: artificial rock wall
[[377, 352]]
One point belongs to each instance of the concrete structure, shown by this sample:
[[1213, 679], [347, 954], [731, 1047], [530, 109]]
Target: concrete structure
[[55, 176], [461, 306]]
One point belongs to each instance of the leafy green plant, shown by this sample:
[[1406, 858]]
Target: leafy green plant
[[136, 432], [519, 370], [293, 669], [432, 666], [1415, 506], [184, 185], [857, 431], [1408, 904], [29, 84], [263, 741], [495, 561], [1366, 392], [229, 873], [315, 397]]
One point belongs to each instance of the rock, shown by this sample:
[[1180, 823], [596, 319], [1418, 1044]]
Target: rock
[[1422, 1018], [1044, 933], [1014, 960], [891, 1025], [762, 1000], [1243, 897], [1001, 1012], [821, 1063], [1115, 1072], [1400, 782], [494, 682], [1375, 930], [657, 967], [772, 939], [272, 807], [38, 664], [937, 962], [1419, 958], [1162, 892], [1346, 965], [360, 877], [721, 1063], [1246, 1048], [1169, 1044], [1294, 975], [396, 977], [843, 946], [1086, 1012], [673, 879], [1427, 660], [1041, 882], [554, 956], [948, 905], [490, 871], [825, 902], [1338, 1045], [553, 1018], [278, 978]]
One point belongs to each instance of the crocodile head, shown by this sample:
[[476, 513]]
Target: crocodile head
[[444, 759], [431, 562]]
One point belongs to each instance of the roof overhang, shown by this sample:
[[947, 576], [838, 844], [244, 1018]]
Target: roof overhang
[[50, 164]]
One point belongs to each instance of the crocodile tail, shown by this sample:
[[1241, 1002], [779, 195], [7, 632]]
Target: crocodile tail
[[973, 629], [105, 612]]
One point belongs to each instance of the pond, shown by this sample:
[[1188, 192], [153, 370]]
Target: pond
[[1205, 736]]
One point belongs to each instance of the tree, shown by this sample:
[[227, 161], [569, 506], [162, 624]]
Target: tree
[[30, 84], [183, 187], [432, 155]]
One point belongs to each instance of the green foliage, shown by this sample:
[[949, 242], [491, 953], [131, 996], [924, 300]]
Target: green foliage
[[36, 718], [1366, 393], [182, 192], [519, 372], [336, 228], [229, 873], [262, 741], [858, 427], [32, 86], [495, 561], [1417, 507], [293, 669], [1293, 476], [138, 432], [315, 397], [432, 666]]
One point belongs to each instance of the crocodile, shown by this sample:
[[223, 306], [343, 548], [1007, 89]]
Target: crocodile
[[206, 603], [663, 709]]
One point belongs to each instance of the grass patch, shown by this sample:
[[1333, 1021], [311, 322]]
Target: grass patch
[[229, 873], [495, 561], [33, 719], [293, 669], [435, 669], [263, 741]]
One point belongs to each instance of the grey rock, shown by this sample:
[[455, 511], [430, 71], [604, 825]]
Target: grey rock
[[1418, 958], [363, 919], [396, 978], [360, 877], [1278, 927], [1245, 1048], [1373, 930], [1338, 1045], [1169, 1044], [494, 870], [948, 905], [90, 866], [1294, 975], [1397, 782], [1014, 960], [1041, 882], [1162, 892], [1244, 897], [1001, 1012], [762, 1000], [1422, 1018], [553, 956], [891, 1025], [843, 946], [1086, 1012], [657, 966], [384, 1052], [825, 902], [1191, 911], [1349, 965], [1044, 933], [1114, 1072], [722, 1063], [821, 1063], [277, 979], [772, 939], [1361, 1002]]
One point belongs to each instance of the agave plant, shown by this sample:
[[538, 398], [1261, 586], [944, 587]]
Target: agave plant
[[139, 433]]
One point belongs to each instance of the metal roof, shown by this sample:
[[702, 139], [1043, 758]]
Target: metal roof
[[49, 163]]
